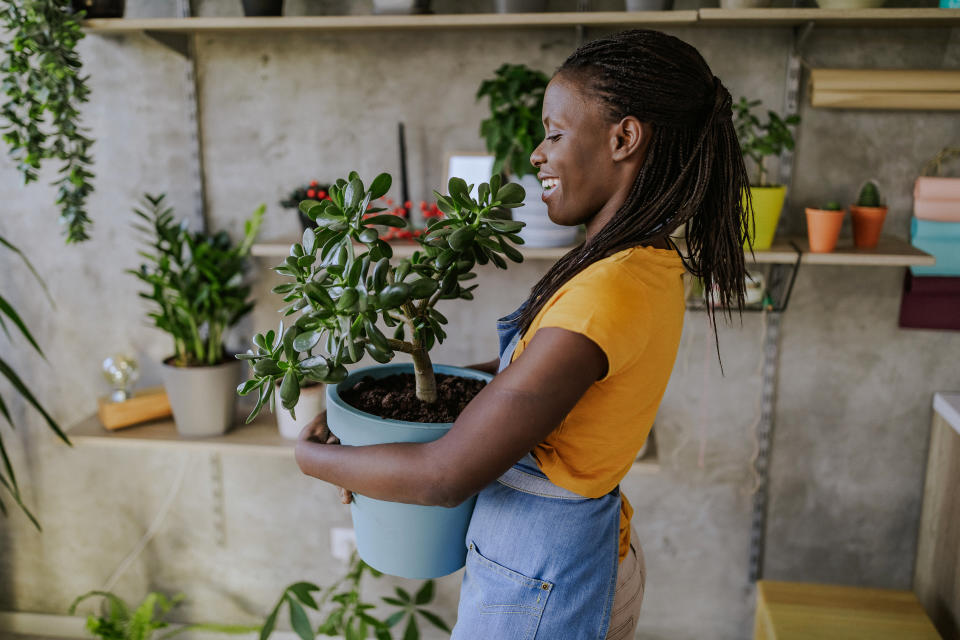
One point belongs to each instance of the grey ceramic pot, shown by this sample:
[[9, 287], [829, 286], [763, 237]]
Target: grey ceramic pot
[[203, 399], [521, 6]]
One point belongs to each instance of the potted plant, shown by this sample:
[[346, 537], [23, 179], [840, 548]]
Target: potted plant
[[196, 281], [340, 292], [823, 226], [44, 85], [512, 131], [350, 616], [401, 6], [936, 197], [758, 141], [868, 216], [315, 190], [119, 621]]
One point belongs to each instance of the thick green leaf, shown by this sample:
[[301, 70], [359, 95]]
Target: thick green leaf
[[461, 238], [380, 185], [387, 221], [306, 341], [290, 391], [423, 288], [511, 193]]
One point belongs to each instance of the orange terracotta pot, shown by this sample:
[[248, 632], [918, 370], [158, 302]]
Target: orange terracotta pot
[[823, 229], [867, 222]]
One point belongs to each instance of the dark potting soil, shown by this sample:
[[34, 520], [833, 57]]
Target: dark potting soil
[[395, 397]]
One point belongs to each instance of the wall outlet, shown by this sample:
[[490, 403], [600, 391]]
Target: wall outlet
[[343, 542]]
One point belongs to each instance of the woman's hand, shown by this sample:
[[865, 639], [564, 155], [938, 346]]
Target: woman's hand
[[317, 431]]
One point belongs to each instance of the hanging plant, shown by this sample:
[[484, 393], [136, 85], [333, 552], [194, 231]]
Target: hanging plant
[[44, 90]]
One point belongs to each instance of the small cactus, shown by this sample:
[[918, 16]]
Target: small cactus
[[833, 205], [869, 195]]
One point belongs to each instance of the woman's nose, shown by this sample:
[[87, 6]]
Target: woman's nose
[[537, 158]]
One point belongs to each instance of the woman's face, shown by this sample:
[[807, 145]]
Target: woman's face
[[580, 177]]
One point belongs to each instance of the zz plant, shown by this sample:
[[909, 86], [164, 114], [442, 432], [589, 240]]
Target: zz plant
[[196, 281], [759, 140], [343, 282], [44, 90], [514, 128]]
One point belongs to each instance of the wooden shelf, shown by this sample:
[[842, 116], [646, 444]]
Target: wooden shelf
[[890, 252], [393, 22], [260, 437], [898, 18], [829, 17]]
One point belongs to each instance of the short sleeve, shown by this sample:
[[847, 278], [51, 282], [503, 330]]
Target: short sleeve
[[610, 309]]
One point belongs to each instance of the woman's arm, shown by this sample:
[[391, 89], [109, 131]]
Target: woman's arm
[[486, 367], [508, 418]]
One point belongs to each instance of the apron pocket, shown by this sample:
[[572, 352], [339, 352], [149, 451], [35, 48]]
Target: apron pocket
[[498, 602]]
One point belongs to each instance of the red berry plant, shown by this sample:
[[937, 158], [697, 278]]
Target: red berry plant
[[343, 283]]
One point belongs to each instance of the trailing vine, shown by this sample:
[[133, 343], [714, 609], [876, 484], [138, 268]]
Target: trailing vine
[[44, 89]]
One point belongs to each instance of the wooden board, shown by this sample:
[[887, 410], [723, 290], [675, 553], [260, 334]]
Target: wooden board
[[261, 437], [393, 22], [937, 573], [890, 252], [800, 611], [145, 405], [788, 17]]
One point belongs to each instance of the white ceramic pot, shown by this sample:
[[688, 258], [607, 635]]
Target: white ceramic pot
[[203, 399], [540, 231], [310, 404]]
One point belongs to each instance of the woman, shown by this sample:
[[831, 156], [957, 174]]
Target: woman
[[639, 142]]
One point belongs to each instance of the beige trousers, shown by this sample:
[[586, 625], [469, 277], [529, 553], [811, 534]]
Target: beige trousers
[[631, 578]]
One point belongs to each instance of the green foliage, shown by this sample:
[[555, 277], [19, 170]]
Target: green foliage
[[833, 205], [44, 89], [514, 128], [341, 294], [119, 622], [348, 615], [196, 281], [869, 195], [8, 479], [759, 140]]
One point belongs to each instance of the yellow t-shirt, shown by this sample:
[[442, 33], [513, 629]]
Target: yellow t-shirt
[[631, 305]]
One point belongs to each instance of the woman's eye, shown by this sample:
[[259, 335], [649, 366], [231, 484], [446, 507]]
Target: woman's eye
[[554, 137]]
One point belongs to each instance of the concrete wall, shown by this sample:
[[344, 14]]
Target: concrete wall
[[853, 395]]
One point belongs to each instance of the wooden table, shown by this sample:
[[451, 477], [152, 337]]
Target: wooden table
[[795, 611]]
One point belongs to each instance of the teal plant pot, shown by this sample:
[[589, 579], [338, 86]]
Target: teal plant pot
[[406, 540]]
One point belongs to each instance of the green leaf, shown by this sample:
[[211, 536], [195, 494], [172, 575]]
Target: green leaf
[[306, 341], [461, 238], [511, 193], [403, 595], [423, 288], [309, 241], [434, 619], [395, 617], [380, 185], [394, 295], [5, 308], [412, 632], [266, 367], [11, 376], [299, 620], [387, 221], [290, 391], [425, 594], [347, 300]]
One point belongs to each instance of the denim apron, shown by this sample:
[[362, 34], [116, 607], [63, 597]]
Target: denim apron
[[541, 560]]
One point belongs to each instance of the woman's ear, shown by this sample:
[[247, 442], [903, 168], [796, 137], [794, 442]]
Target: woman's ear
[[629, 137]]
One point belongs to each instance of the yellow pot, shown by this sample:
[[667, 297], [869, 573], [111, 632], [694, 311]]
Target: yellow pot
[[767, 204]]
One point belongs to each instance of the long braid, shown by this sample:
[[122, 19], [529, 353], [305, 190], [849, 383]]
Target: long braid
[[693, 175]]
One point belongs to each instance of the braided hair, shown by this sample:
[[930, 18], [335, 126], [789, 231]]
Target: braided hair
[[693, 174]]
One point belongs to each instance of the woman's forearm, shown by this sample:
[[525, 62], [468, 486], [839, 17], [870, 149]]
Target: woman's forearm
[[398, 472]]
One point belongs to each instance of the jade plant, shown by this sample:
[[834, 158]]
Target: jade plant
[[514, 128], [869, 195], [343, 282], [195, 279], [759, 140]]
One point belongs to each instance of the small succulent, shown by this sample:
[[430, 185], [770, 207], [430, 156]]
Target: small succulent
[[833, 205], [869, 195]]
